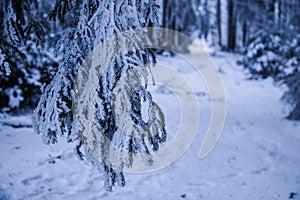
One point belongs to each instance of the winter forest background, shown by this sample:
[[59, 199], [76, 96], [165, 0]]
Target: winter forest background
[[255, 45]]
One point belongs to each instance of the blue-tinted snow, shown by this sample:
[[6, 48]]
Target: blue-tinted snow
[[256, 157]]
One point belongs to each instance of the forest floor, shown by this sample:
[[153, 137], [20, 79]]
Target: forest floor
[[256, 157]]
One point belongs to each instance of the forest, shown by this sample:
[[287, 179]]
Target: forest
[[53, 86], [266, 32]]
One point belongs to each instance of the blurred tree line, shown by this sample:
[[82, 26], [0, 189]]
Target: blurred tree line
[[27, 61], [266, 32]]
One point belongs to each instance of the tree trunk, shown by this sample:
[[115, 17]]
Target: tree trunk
[[231, 25], [206, 20], [245, 34], [219, 23]]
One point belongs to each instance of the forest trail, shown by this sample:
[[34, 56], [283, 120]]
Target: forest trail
[[256, 156]]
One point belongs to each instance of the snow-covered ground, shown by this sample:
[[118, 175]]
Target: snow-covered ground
[[257, 156]]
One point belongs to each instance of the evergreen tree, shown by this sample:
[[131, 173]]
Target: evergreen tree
[[100, 105], [182, 17], [273, 49], [25, 61]]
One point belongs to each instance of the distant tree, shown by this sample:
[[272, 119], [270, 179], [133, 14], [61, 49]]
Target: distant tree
[[273, 49], [25, 64], [231, 25], [182, 17], [218, 21]]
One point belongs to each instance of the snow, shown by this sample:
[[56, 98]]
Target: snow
[[256, 157], [15, 96], [4, 66]]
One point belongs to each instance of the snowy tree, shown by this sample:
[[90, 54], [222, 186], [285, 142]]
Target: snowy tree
[[182, 17], [24, 57], [100, 105], [292, 77], [264, 56], [276, 55]]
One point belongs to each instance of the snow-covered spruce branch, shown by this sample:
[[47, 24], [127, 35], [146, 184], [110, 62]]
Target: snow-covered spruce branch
[[98, 100]]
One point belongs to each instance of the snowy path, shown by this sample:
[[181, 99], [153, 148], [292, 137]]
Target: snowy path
[[257, 156]]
